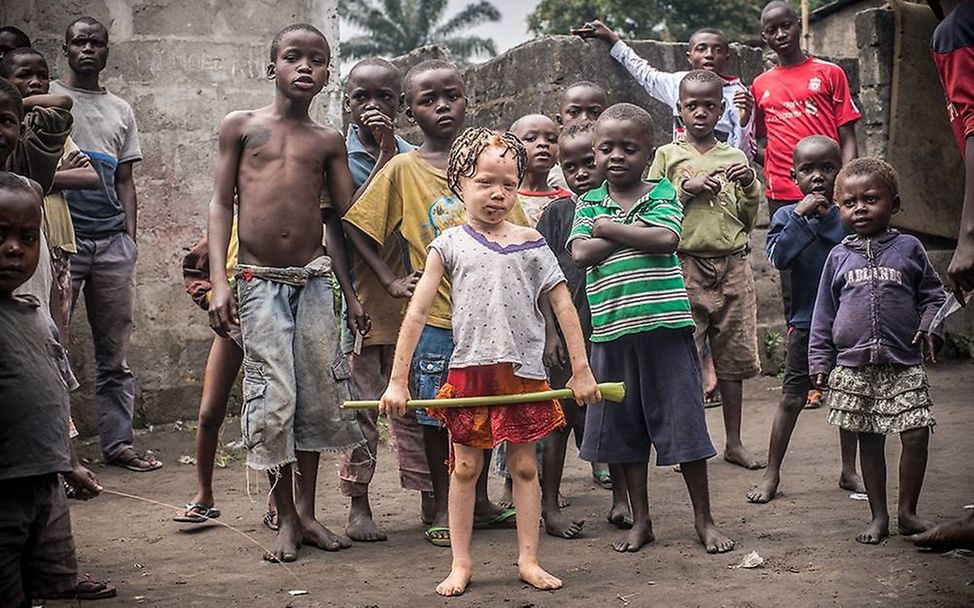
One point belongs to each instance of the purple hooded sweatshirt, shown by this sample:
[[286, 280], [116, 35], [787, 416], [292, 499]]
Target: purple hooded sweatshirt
[[875, 294]]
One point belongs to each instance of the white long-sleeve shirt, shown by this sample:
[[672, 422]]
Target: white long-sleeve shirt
[[665, 87]]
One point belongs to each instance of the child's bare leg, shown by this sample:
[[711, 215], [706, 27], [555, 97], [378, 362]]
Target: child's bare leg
[[222, 365], [312, 531], [553, 461], [785, 418], [849, 479], [872, 450], [620, 514], [288, 539], [467, 465], [522, 463], [695, 476], [913, 467], [484, 510], [636, 475], [732, 394], [436, 443]]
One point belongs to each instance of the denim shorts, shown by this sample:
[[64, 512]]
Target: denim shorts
[[431, 363], [295, 377]]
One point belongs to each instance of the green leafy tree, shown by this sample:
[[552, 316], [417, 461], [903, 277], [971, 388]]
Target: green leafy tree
[[654, 19], [395, 27]]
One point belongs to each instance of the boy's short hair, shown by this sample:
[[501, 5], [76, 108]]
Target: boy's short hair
[[8, 89], [703, 76], [428, 66], [709, 30], [7, 63], [21, 39], [868, 165], [466, 151], [584, 84], [378, 62], [775, 4], [86, 21], [582, 127], [12, 182], [821, 140], [631, 113], [296, 27]]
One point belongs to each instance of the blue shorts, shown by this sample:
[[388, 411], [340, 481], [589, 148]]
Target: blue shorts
[[431, 363], [663, 407]]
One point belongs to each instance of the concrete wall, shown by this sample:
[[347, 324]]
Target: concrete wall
[[832, 33], [182, 64]]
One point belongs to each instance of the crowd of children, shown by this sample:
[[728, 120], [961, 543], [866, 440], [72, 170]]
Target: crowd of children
[[561, 252]]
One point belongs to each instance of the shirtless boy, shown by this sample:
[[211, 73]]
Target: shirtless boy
[[279, 162]]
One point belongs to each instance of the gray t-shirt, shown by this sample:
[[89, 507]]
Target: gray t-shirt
[[33, 394], [105, 130], [494, 291]]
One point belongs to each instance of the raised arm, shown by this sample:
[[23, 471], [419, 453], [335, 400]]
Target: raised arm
[[223, 311], [397, 393]]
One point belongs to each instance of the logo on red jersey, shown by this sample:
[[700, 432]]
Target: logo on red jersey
[[815, 84]]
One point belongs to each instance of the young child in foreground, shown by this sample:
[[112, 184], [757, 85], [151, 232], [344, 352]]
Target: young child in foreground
[[498, 272], [799, 239], [870, 335], [626, 233], [720, 195], [295, 377], [37, 553]]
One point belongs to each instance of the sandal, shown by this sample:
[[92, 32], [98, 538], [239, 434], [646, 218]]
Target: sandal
[[503, 520], [712, 399], [603, 478], [814, 399], [197, 513], [438, 536], [128, 462], [270, 520], [90, 589]]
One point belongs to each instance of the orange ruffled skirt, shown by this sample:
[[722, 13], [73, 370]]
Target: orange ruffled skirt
[[485, 427]]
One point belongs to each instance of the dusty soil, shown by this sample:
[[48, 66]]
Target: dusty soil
[[806, 537]]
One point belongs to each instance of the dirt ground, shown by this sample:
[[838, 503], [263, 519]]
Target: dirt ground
[[806, 537]]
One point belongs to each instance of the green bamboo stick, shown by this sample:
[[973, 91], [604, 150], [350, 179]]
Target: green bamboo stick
[[611, 391]]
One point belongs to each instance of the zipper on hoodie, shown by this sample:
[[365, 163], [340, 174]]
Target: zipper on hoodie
[[873, 303]]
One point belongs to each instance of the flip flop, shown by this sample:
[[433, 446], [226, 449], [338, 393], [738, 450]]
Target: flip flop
[[435, 535], [90, 589], [814, 400], [712, 399], [603, 478], [126, 463], [268, 520], [197, 513], [499, 522]]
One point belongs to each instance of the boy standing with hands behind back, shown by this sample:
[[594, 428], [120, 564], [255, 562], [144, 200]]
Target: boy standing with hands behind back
[[279, 162], [720, 197]]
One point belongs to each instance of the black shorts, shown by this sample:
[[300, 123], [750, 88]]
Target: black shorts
[[797, 380], [663, 407]]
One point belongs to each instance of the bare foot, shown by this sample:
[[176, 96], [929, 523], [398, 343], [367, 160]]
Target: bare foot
[[620, 516], [362, 528], [852, 482], [314, 533], [640, 534], [954, 534], [563, 502], [537, 577], [743, 458], [909, 524], [712, 539], [557, 524], [456, 583], [286, 542], [507, 499], [875, 532], [765, 491]]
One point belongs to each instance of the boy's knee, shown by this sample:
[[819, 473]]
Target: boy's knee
[[466, 470], [792, 403], [522, 469], [210, 421]]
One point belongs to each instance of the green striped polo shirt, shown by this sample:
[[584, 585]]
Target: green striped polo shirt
[[632, 291]]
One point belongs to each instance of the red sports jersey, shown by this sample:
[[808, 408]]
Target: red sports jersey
[[952, 47], [793, 102]]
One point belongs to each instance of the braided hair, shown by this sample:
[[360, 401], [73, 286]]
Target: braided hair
[[466, 151]]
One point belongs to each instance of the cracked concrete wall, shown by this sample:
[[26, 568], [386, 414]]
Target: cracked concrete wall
[[182, 65]]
